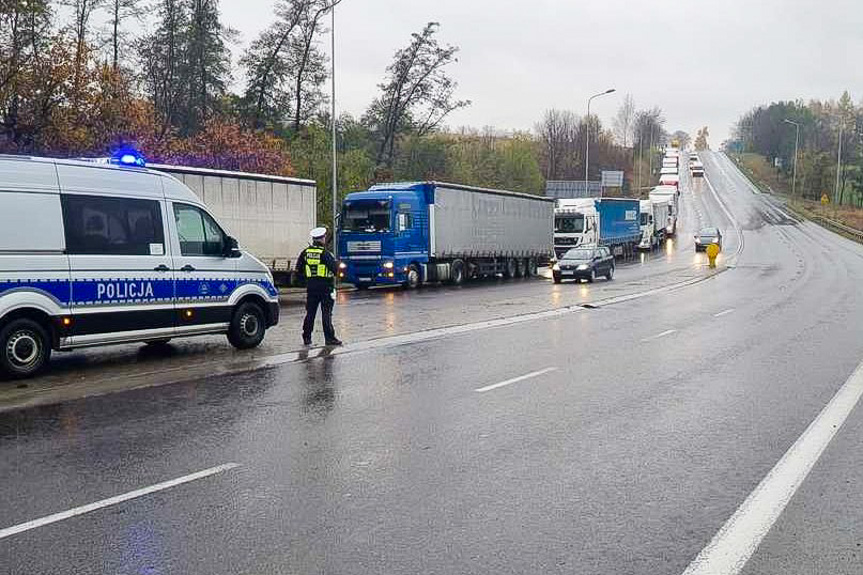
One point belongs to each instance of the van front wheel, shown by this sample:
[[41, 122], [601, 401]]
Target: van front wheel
[[25, 348], [247, 326]]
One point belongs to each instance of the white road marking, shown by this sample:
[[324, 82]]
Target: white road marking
[[36, 523], [515, 379], [730, 549], [659, 335], [726, 312]]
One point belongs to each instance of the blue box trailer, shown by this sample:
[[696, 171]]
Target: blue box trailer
[[612, 222], [618, 221], [419, 232]]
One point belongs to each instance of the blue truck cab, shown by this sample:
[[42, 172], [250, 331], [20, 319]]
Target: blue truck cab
[[384, 234]]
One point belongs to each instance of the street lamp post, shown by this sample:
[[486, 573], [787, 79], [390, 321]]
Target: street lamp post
[[333, 121], [796, 144], [587, 137], [838, 167]]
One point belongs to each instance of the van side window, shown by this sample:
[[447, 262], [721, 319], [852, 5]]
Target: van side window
[[199, 234], [112, 226]]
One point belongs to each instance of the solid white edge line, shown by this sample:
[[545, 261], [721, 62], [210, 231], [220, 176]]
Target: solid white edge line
[[737, 540], [47, 520], [726, 312], [515, 379], [659, 335]]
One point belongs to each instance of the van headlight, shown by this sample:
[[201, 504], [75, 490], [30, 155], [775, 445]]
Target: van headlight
[[343, 266], [389, 265]]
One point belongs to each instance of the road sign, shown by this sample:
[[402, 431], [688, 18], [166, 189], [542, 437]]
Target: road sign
[[568, 189], [824, 200], [612, 179]]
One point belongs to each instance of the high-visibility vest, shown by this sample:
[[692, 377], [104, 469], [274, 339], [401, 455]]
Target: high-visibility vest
[[315, 267]]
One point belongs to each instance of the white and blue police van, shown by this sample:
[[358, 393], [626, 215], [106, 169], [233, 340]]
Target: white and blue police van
[[107, 253]]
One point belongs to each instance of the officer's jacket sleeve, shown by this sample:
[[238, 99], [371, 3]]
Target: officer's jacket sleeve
[[330, 262], [300, 268]]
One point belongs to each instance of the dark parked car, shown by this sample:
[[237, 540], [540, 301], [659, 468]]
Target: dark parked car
[[584, 263], [706, 237]]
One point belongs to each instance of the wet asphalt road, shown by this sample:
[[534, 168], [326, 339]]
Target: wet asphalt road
[[645, 424]]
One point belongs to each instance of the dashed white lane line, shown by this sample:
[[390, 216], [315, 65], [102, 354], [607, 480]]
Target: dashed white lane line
[[659, 335], [730, 549], [47, 520], [726, 312], [515, 379]]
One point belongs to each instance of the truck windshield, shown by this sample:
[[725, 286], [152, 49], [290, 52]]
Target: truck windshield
[[570, 224], [368, 217]]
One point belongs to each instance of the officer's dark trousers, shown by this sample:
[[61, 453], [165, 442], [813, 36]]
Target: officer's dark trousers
[[313, 300]]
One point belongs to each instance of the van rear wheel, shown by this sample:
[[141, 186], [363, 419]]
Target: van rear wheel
[[25, 347], [248, 326]]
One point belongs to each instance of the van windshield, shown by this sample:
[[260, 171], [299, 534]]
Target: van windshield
[[570, 224], [366, 216]]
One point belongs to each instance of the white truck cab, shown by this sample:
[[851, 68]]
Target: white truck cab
[[575, 224], [94, 254]]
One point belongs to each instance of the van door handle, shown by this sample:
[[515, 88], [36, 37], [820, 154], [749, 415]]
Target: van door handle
[[161, 268], [187, 268]]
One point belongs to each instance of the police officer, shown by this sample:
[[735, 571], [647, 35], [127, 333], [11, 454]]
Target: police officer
[[318, 266]]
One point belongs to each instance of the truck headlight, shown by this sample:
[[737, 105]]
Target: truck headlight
[[389, 265], [343, 265]]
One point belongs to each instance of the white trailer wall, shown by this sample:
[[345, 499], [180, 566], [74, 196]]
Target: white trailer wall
[[469, 222], [270, 216]]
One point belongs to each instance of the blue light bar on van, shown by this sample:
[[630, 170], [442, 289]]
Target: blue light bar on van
[[128, 157]]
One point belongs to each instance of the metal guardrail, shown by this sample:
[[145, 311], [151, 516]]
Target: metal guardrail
[[838, 227], [831, 224]]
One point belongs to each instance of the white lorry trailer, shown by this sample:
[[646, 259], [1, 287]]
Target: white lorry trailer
[[669, 196], [270, 215]]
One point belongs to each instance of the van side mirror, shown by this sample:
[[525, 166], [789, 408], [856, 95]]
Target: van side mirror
[[232, 248]]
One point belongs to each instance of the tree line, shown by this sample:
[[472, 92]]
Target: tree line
[[769, 130], [77, 80]]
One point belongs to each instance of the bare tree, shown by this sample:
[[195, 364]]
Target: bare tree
[[623, 120], [417, 94], [683, 139], [118, 11], [701, 139], [559, 133], [82, 12]]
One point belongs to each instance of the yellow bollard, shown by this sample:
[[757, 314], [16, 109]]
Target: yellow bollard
[[712, 252]]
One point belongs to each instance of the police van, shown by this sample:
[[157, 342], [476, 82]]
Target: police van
[[94, 254]]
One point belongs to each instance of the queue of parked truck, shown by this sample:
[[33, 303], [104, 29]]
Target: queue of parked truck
[[112, 251]]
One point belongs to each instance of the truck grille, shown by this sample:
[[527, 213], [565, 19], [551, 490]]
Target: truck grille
[[364, 247]]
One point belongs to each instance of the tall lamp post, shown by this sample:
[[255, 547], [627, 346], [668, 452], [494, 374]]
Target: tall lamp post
[[838, 167], [796, 144], [587, 136], [333, 121]]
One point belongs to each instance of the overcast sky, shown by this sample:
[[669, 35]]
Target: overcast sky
[[704, 62]]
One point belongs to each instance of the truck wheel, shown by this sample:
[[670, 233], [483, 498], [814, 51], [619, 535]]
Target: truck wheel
[[25, 347], [531, 267], [413, 276], [457, 273], [610, 275], [520, 268], [247, 327], [511, 269]]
